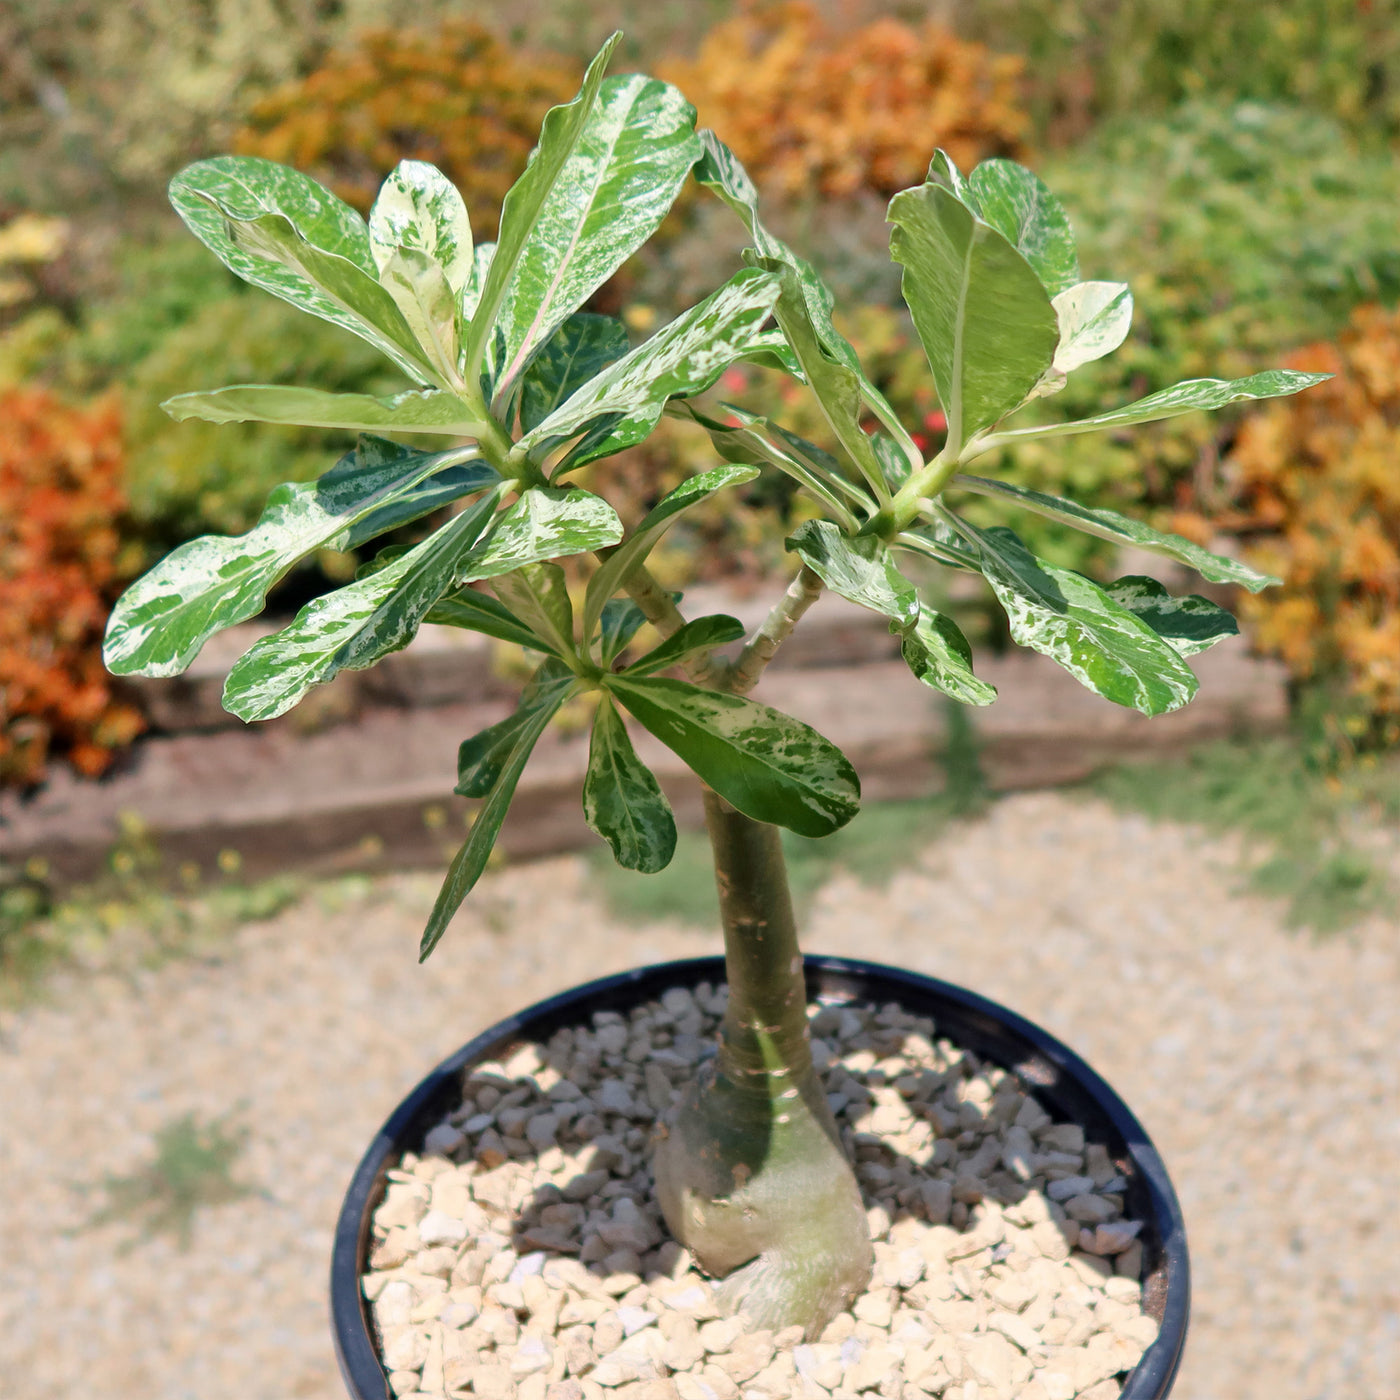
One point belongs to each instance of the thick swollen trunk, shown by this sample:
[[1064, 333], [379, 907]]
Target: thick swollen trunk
[[750, 1173]]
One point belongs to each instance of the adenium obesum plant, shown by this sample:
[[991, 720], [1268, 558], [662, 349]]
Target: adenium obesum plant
[[751, 1172]]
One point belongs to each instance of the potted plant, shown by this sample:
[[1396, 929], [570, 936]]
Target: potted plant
[[750, 1168]]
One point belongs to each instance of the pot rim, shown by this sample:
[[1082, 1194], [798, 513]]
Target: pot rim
[[1059, 1077]]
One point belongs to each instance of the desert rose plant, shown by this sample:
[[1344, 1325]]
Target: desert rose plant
[[750, 1170]]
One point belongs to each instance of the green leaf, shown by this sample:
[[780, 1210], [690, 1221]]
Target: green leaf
[[482, 758], [1094, 319], [414, 411], [545, 523], [353, 627], [479, 612], [281, 231], [1188, 624], [622, 801], [985, 320], [765, 764], [1073, 621], [859, 569], [618, 566], [166, 616], [936, 651], [582, 346], [683, 358], [699, 634], [1120, 529], [482, 257], [538, 594], [469, 862], [1189, 396], [525, 200], [421, 209], [1017, 204], [631, 157], [619, 623]]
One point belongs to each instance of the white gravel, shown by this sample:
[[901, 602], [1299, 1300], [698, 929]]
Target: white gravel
[[1266, 1066]]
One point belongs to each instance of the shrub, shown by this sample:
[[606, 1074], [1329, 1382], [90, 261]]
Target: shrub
[[814, 111], [60, 566], [1317, 485], [454, 96]]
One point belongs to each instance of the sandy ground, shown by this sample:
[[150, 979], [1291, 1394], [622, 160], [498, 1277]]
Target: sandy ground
[[1265, 1064]]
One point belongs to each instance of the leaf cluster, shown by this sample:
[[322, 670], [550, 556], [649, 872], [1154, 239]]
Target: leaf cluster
[[517, 389]]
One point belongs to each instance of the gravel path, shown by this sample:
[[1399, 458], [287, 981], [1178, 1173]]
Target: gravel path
[[1266, 1066]]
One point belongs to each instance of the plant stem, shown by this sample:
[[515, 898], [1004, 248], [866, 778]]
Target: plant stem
[[758, 651], [659, 609]]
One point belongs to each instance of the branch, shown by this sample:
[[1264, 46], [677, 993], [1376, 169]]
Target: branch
[[661, 611], [758, 651]]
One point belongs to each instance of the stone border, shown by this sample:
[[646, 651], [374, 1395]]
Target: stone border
[[361, 777]]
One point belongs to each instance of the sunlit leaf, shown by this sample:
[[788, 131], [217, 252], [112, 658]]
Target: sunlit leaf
[[622, 801]]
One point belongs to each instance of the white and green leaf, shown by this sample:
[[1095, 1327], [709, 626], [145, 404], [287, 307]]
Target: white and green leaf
[[1190, 396], [1189, 624], [1120, 529], [430, 308], [482, 758], [985, 320], [765, 764], [631, 157], [354, 626], [1018, 205], [697, 635], [419, 208], [544, 523], [684, 358], [413, 411], [160, 623], [1070, 619], [538, 594], [938, 654], [475, 611], [1094, 319], [584, 345], [858, 568], [622, 801]]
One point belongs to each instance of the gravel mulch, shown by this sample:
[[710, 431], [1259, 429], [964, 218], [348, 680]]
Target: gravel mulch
[[1266, 1066]]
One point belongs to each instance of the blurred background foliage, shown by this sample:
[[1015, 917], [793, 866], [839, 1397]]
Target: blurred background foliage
[[1233, 162]]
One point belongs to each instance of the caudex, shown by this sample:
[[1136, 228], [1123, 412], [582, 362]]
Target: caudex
[[525, 388]]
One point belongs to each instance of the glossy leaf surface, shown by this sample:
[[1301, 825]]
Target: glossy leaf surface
[[765, 764], [538, 595], [545, 523], [475, 611], [622, 801], [166, 616], [938, 654], [281, 231], [632, 155], [414, 411], [1073, 621], [1094, 319], [683, 358], [699, 634], [520, 210], [1189, 624], [430, 308], [985, 320], [419, 208], [1121, 529], [859, 569], [470, 861], [620, 621], [354, 626], [1018, 205], [578, 350]]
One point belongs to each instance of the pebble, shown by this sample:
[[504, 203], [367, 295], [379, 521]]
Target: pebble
[[988, 1236]]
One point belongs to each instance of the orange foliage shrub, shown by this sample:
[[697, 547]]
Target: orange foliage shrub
[[60, 568], [1319, 476], [454, 96], [811, 110]]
